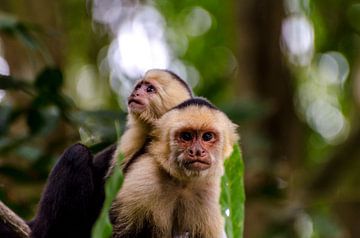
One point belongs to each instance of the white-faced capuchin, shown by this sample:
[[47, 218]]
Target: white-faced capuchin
[[74, 194], [173, 189], [156, 93]]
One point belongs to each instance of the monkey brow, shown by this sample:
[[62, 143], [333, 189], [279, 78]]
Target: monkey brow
[[196, 101], [142, 82]]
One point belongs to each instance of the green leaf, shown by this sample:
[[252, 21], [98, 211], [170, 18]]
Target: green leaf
[[232, 197], [42, 120], [12, 26], [103, 227], [26, 37], [98, 126], [8, 24], [5, 119]]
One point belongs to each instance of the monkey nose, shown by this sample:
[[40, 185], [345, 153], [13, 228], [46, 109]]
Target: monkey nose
[[200, 152], [196, 152]]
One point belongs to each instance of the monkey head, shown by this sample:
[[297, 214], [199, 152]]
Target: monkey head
[[156, 93], [193, 138]]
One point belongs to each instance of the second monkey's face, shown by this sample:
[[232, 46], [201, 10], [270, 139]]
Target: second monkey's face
[[140, 98], [195, 147], [155, 94]]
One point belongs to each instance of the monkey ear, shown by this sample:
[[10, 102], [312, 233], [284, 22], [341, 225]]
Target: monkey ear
[[231, 137]]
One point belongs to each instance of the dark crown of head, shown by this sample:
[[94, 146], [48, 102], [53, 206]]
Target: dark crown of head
[[196, 101], [180, 80]]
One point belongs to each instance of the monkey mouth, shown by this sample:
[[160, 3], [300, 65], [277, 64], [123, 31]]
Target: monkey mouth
[[197, 165], [136, 106], [132, 100]]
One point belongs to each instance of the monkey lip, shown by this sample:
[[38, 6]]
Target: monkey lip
[[132, 100], [136, 106], [197, 164]]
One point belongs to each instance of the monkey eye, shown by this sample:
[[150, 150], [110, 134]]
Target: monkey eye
[[207, 136], [138, 86], [150, 89], [186, 136]]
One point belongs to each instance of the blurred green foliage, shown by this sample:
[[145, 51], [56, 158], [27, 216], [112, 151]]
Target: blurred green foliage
[[102, 227]]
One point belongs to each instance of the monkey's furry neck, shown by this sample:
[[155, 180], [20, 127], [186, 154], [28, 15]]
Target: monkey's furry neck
[[133, 138]]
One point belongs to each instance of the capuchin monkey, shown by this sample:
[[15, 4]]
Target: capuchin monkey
[[173, 189], [73, 197], [156, 93], [74, 194]]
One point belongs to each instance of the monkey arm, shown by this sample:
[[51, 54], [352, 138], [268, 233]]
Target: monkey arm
[[102, 164], [65, 206], [74, 195], [103, 161]]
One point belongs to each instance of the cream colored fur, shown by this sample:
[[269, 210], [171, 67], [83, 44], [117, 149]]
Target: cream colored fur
[[170, 93], [157, 190]]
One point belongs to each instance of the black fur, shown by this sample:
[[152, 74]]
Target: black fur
[[65, 207], [101, 164], [196, 101], [73, 197], [102, 160]]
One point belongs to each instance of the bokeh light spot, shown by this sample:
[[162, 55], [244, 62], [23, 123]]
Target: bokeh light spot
[[298, 38], [198, 21]]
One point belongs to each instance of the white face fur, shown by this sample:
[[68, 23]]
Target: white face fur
[[198, 120]]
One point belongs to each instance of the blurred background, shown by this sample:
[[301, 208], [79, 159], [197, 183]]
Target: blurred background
[[288, 72]]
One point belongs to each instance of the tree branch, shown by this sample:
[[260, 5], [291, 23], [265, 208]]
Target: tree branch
[[13, 221]]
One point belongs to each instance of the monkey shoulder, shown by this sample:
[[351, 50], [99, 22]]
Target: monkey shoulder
[[133, 139], [129, 143], [141, 179]]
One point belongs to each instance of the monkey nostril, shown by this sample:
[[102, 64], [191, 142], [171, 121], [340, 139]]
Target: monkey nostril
[[200, 153], [191, 152]]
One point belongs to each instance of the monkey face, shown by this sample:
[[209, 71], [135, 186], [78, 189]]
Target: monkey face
[[157, 93], [139, 99], [194, 147], [192, 140]]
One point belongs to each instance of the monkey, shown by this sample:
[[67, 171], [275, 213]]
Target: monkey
[[153, 95], [72, 198], [74, 194], [173, 189]]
